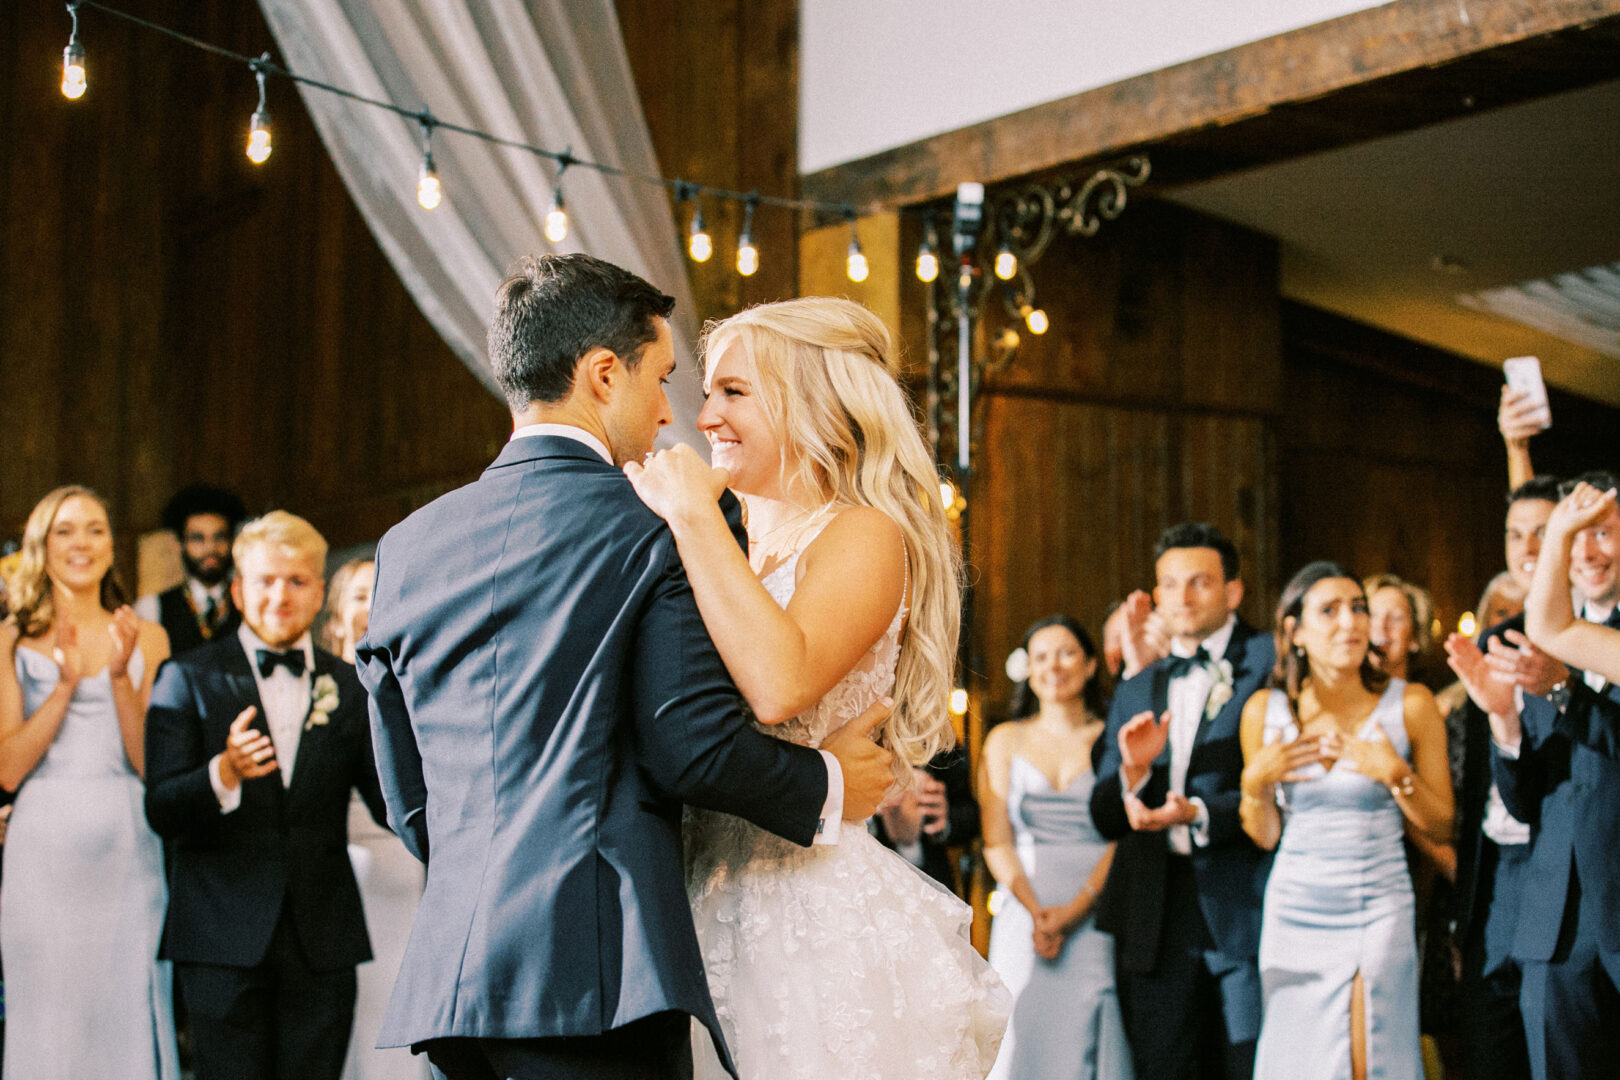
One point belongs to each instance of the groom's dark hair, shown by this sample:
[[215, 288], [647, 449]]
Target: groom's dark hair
[[554, 309]]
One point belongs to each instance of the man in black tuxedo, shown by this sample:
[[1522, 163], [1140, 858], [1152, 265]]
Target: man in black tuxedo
[[1556, 742], [544, 698], [1493, 847], [1183, 898], [253, 745], [199, 609]]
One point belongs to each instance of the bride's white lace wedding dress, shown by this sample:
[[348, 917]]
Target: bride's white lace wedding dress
[[841, 961]]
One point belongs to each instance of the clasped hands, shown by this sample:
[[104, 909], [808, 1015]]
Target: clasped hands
[[1054, 924]]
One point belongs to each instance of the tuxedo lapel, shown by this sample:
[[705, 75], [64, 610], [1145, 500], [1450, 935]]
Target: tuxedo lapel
[[311, 739], [1237, 653], [1159, 693]]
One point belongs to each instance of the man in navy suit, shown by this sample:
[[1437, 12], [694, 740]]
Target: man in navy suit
[[1556, 736], [544, 699], [1183, 898], [253, 745]]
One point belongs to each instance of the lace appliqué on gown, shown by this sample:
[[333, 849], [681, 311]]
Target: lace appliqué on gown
[[836, 961]]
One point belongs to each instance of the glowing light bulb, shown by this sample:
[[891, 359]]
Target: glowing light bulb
[[947, 493], [747, 258], [1467, 624], [855, 265], [557, 218], [927, 265], [73, 79], [1006, 264], [429, 192], [1037, 321], [258, 147], [959, 702], [700, 245]]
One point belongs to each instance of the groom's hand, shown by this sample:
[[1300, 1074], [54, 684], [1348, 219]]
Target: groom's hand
[[868, 768]]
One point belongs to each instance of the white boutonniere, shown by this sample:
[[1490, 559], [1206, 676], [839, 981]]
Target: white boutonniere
[[1221, 692], [323, 699]]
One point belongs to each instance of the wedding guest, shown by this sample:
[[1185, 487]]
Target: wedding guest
[[1554, 735], [390, 878], [199, 609], [1050, 865], [1492, 846], [1400, 614], [254, 742], [1183, 902], [81, 907], [935, 813], [1581, 540], [1341, 761]]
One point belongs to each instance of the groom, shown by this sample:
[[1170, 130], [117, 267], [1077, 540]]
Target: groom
[[544, 699]]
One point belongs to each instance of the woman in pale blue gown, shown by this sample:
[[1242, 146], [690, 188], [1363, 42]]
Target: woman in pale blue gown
[[81, 908], [1050, 864], [1342, 762]]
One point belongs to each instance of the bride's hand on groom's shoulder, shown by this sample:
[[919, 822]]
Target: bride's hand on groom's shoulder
[[677, 484]]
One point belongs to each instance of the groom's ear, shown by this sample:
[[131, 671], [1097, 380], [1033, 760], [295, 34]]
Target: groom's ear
[[598, 372]]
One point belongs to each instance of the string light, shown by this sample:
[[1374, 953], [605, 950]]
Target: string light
[[699, 244], [1006, 263], [928, 255], [1035, 319], [855, 265], [557, 216], [73, 81], [429, 192], [747, 250], [258, 147], [959, 702]]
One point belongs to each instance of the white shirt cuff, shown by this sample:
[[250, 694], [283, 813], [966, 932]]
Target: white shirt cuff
[[1125, 784], [912, 852], [1200, 824], [1511, 752], [832, 811], [229, 798]]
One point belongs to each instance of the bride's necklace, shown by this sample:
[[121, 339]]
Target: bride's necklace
[[759, 543]]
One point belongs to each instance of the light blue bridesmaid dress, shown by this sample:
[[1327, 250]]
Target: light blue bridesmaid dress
[[1339, 901], [82, 904], [1066, 1023]]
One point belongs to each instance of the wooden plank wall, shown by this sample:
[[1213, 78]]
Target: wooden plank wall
[[1153, 399], [170, 313]]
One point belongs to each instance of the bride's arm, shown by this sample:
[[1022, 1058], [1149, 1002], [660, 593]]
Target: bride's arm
[[851, 581]]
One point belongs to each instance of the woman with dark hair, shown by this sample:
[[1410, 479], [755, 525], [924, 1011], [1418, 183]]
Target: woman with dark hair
[[82, 906], [1050, 864], [1341, 760]]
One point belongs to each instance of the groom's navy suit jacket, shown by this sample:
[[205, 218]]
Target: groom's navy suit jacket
[[1231, 872], [543, 699]]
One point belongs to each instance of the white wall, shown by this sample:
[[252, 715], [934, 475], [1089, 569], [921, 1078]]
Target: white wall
[[876, 74]]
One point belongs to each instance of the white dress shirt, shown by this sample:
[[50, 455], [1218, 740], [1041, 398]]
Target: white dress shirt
[[286, 699], [1188, 695], [147, 606], [832, 811]]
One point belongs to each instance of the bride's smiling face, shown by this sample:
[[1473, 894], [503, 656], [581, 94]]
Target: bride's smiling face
[[740, 437]]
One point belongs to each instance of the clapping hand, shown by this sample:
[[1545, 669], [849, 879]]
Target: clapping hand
[[249, 754], [65, 651], [1493, 696], [125, 631], [932, 802], [1519, 663], [1141, 741], [1146, 638], [1175, 811], [902, 816], [677, 484]]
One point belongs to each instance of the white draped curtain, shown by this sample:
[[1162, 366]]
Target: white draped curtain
[[548, 73]]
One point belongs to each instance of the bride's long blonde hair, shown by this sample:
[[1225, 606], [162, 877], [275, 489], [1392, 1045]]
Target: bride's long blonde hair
[[824, 372]]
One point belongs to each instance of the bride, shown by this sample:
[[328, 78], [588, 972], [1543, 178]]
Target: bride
[[839, 960]]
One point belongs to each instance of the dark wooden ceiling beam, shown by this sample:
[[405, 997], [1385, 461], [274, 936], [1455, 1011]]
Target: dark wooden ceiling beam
[[1376, 72]]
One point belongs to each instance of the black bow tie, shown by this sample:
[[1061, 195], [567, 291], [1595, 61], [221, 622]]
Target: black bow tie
[[269, 660], [1180, 665]]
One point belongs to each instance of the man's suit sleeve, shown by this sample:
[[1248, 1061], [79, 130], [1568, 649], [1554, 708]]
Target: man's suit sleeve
[[694, 743], [398, 776], [1520, 780], [1107, 800], [180, 799], [1592, 719]]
